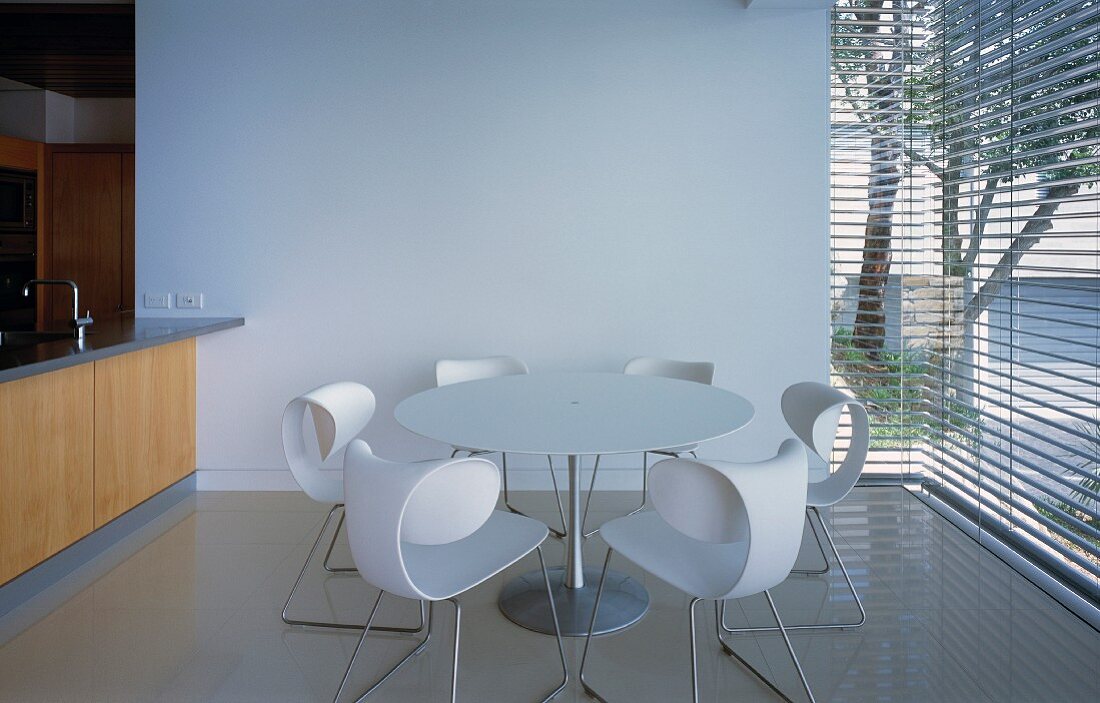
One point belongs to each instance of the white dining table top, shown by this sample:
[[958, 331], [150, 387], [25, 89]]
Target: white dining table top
[[574, 413]]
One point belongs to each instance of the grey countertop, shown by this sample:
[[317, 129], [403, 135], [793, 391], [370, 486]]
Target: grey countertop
[[105, 339]]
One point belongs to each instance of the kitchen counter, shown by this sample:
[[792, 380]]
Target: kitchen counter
[[106, 339]]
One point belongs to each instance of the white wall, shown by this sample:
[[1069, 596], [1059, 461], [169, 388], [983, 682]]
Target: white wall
[[104, 120], [378, 185], [23, 114], [60, 117], [46, 116]]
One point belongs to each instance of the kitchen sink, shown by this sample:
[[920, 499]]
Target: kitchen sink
[[24, 338]]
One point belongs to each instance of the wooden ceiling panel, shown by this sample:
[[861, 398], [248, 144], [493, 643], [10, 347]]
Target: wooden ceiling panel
[[84, 51]]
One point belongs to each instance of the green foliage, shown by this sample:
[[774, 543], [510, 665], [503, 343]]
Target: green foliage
[[1024, 107], [1089, 484], [894, 385], [1053, 509]]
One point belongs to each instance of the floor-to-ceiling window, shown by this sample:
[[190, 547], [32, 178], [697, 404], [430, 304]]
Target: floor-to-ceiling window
[[880, 222], [966, 251]]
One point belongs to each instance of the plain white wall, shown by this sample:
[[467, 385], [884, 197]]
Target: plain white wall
[[104, 120], [23, 114], [378, 185], [46, 116], [60, 117]]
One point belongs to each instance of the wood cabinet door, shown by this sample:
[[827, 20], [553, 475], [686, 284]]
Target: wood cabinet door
[[144, 425], [86, 222], [128, 233], [46, 472]]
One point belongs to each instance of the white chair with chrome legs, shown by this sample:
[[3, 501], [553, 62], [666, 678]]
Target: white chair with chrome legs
[[448, 371], [813, 411], [720, 530], [695, 371], [428, 531], [339, 411]]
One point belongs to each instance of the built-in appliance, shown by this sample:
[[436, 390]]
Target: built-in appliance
[[16, 311], [17, 201], [17, 248]]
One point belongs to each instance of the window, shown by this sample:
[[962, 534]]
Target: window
[[966, 251]]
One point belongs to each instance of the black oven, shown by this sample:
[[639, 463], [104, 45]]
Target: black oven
[[16, 268], [17, 202]]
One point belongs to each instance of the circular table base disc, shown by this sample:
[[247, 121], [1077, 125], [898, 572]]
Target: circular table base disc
[[623, 603]]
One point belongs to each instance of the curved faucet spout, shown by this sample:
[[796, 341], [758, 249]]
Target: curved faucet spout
[[78, 322]]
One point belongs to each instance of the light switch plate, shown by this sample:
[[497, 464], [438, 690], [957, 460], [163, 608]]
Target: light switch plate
[[188, 300], [156, 300]]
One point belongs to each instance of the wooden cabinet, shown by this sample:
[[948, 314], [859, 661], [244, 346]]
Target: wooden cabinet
[[46, 465], [20, 153], [144, 425], [129, 212], [31, 156], [81, 446], [91, 227]]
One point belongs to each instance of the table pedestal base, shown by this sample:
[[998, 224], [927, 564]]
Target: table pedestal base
[[624, 602]]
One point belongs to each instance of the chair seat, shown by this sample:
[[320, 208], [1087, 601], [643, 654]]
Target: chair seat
[[827, 492], [701, 569], [445, 570]]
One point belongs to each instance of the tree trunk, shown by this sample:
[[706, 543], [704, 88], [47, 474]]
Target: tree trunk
[[886, 91]]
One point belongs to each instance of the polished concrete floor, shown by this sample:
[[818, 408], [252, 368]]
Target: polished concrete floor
[[188, 610]]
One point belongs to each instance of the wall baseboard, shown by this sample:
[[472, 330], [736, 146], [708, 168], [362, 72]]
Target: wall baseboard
[[246, 480], [519, 479]]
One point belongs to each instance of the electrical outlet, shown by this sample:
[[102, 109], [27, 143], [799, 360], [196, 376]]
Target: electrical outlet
[[155, 300], [188, 300]]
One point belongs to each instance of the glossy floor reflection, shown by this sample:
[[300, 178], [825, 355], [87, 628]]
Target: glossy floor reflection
[[189, 611]]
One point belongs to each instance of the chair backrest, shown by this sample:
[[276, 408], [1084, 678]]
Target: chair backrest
[[760, 504], [448, 371], [698, 371], [813, 411], [392, 505], [339, 411]]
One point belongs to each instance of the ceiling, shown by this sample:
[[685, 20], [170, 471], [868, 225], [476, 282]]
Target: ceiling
[[80, 50]]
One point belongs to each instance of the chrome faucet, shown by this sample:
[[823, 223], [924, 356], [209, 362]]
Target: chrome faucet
[[78, 322]]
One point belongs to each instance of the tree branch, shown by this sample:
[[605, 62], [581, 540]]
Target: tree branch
[[921, 160], [978, 228], [1028, 237]]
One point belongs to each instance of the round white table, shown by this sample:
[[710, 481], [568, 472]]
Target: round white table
[[574, 414]]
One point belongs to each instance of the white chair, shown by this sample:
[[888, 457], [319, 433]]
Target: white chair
[[813, 412], [696, 371], [428, 531], [448, 371], [339, 412], [720, 530]]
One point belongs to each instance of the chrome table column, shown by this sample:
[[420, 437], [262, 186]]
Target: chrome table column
[[624, 601]]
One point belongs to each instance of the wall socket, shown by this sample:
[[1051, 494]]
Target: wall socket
[[156, 300], [188, 300]]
